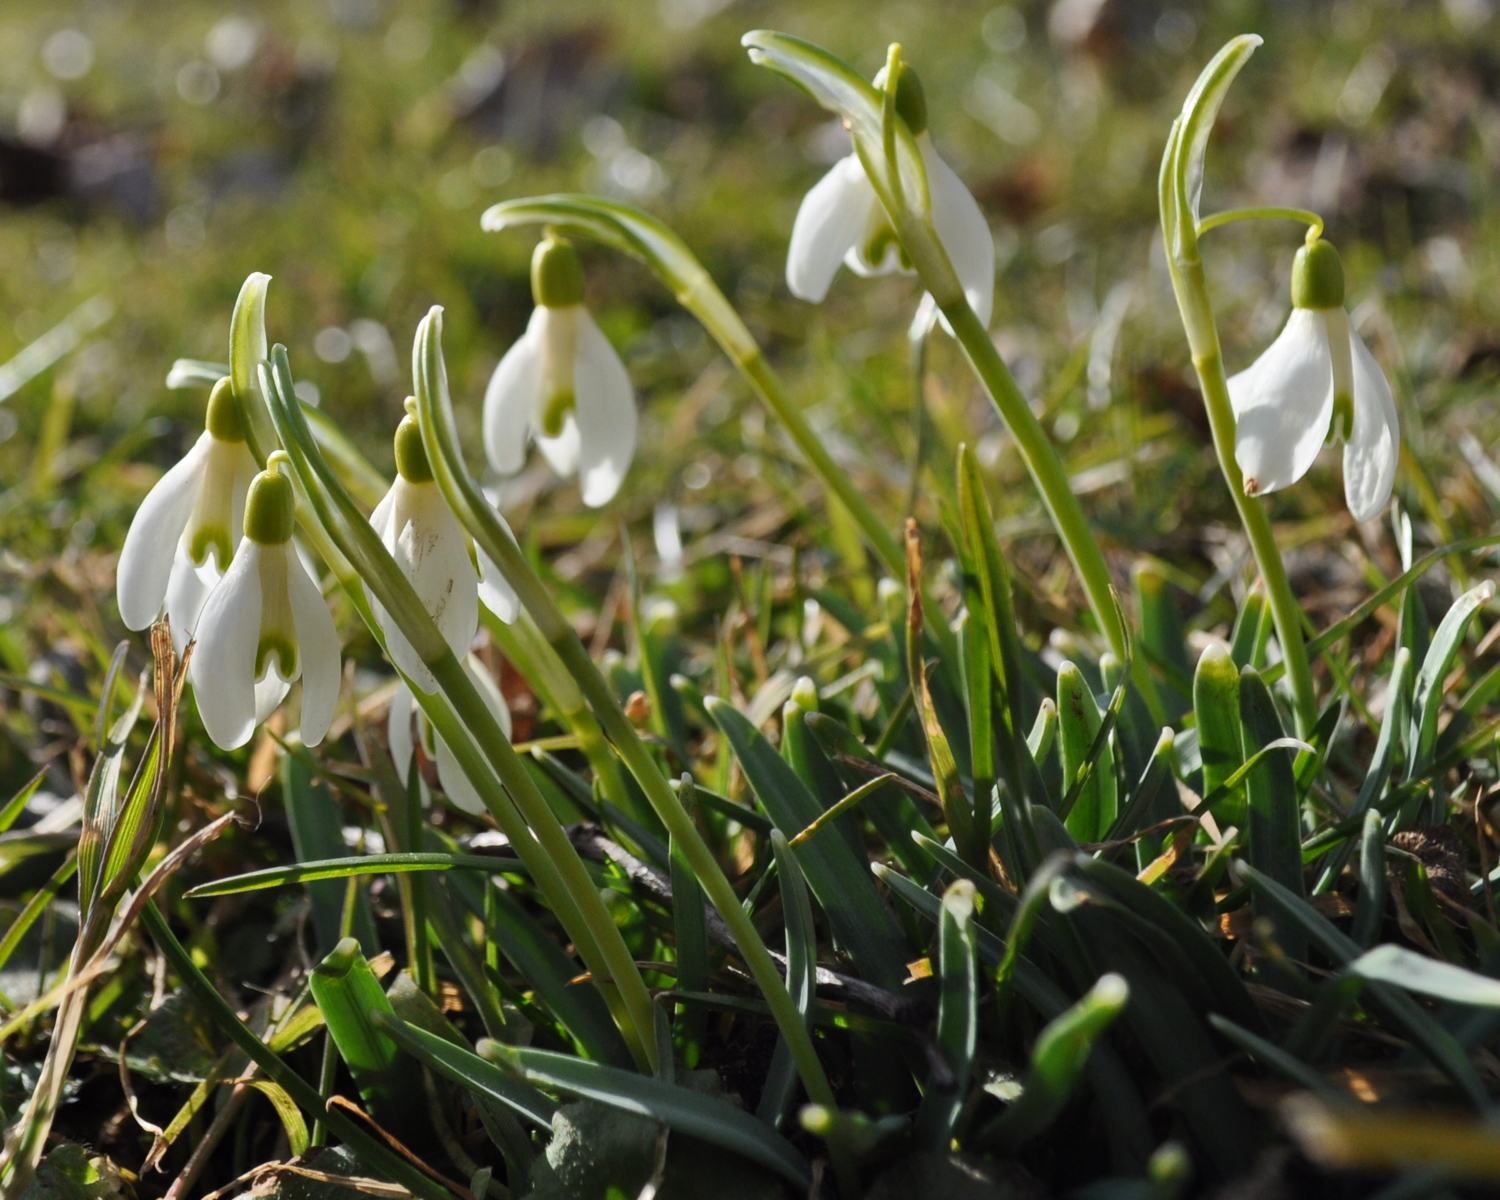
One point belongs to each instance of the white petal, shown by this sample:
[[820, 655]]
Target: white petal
[[398, 729], [1283, 403], [510, 400], [606, 414], [318, 647], [495, 592], [381, 517], [187, 592], [561, 452], [460, 791], [1370, 456], [433, 551], [833, 217], [270, 691], [964, 232], [222, 668], [151, 544]]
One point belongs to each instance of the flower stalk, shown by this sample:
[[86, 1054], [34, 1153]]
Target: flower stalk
[[461, 718], [1180, 184], [435, 416]]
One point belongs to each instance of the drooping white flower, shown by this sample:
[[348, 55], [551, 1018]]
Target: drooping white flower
[[187, 529], [265, 626], [402, 744], [1317, 382], [563, 385], [841, 221], [431, 548]]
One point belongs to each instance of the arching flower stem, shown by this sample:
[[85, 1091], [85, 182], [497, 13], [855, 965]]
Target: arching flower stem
[[1181, 175], [435, 414], [461, 718]]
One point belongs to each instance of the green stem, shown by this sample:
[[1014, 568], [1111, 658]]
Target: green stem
[[1191, 287], [1047, 472], [524, 645], [1265, 212], [439, 436], [462, 719]]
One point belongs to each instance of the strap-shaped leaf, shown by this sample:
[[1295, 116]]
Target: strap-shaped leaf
[[1434, 1041], [344, 868], [860, 920], [467, 1069], [692, 1113], [957, 1031], [1427, 701], [1274, 815], [801, 967], [1417, 973]]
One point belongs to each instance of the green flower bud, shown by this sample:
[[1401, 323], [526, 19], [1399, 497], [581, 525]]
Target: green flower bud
[[411, 455], [223, 417], [1317, 276], [556, 273], [911, 98], [270, 507]]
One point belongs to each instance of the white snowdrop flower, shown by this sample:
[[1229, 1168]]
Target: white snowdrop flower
[[1317, 382], [842, 221], [264, 627], [399, 735], [563, 385], [431, 548], [187, 529]]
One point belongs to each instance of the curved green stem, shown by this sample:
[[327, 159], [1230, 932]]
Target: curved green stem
[[1181, 171], [440, 437], [1265, 212], [463, 720]]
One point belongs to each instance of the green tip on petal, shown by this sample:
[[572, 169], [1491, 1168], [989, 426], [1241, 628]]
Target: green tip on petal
[[223, 417], [411, 455], [556, 273], [270, 508], [555, 413], [1318, 276]]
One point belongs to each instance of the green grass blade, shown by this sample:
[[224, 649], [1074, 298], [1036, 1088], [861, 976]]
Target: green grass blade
[[690, 926], [1274, 816], [1216, 709], [16, 805], [348, 995], [467, 1069], [1427, 700], [537, 958], [1271, 1055], [691, 1113], [841, 882], [1095, 803], [1430, 1037], [1163, 638], [344, 868], [1058, 1060], [318, 835], [801, 966], [957, 1033]]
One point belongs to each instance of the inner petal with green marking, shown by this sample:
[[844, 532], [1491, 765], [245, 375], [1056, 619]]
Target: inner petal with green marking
[[559, 335], [278, 629]]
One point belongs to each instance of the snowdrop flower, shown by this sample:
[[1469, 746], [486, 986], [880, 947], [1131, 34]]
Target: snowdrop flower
[[563, 385], [431, 548], [264, 627], [186, 531], [842, 220], [399, 735], [1317, 382]]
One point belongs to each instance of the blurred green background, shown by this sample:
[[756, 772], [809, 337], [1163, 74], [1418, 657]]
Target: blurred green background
[[153, 154]]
